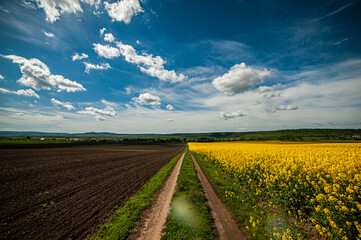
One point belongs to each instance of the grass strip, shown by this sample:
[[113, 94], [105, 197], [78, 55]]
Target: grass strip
[[253, 210], [190, 216], [123, 219]]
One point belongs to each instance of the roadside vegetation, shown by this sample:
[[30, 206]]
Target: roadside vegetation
[[190, 216], [259, 216], [123, 218]]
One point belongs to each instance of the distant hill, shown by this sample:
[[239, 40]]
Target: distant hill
[[291, 134]]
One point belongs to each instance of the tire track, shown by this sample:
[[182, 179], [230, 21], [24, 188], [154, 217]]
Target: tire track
[[225, 224], [155, 220]]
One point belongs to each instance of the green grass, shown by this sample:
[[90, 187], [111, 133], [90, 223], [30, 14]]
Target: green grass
[[261, 218], [189, 216], [123, 218]]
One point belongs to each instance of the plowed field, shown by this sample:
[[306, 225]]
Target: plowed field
[[65, 192]]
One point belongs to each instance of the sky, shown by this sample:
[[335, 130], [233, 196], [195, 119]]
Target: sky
[[179, 66]]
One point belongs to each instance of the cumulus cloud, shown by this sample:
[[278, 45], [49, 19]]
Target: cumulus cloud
[[285, 107], [21, 92], [95, 3], [109, 37], [99, 118], [53, 9], [123, 10], [99, 113], [239, 79], [106, 51], [90, 66], [128, 90], [264, 89], [48, 34], [102, 31], [67, 105], [154, 66], [227, 116], [272, 94], [76, 56], [96, 112], [38, 76], [170, 107], [147, 99]]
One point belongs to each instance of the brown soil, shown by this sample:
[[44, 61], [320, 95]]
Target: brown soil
[[226, 226], [153, 219], [65, 192]]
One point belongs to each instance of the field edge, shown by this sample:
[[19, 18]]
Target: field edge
[[261, 222]]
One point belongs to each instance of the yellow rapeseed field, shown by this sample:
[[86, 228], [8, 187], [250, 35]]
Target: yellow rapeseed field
[[319, 182]]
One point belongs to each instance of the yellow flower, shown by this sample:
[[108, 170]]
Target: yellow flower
[[326, 211], [344, 208]]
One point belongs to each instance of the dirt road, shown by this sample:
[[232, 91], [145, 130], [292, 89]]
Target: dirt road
[[225, 224], [154, 219]]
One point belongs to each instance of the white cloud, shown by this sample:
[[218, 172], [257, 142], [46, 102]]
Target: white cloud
[[123, 10], [239, 79], [38, 76], [128, 90], [147, 99], [90, 66], [102, 31], [95, 3], [227, 116], [272, 94], [1, 77], [154, 66], [139, 42], [170, 107], [21, 92], [109, 37], [99, 118], [53, 9], [285, 107], [163, 74], [264, 89], [60, 116], [27, 4], [67, 105], [110, 105], [336, 11], [106, 51], [48, 34], [95, 111], [76, 56]]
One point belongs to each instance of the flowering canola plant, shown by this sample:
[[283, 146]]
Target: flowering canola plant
[[318, 182]]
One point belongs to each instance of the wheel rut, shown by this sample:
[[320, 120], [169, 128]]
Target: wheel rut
[[153, 219], [152, 222], [226, 226]]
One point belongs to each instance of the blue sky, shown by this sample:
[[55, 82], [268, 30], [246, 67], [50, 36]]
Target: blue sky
[[170, 66]]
